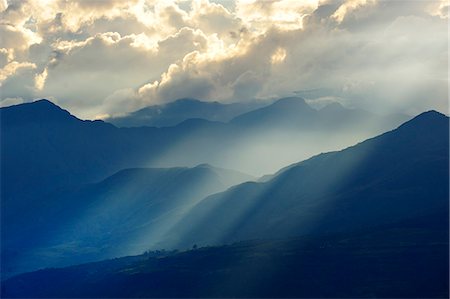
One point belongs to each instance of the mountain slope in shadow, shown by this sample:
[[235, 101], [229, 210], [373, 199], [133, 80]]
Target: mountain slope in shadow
[[397, 175], [408, 259], [375, 213], [47, 154], [121, 215]]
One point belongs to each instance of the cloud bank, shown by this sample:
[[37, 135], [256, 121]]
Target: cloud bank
[[100, 58]]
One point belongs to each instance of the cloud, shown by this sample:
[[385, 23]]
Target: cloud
[[111, 57], [351, 8], [5, 57], [11, 101], [283, 14], [13, 38], [17, 80], [213, 18]]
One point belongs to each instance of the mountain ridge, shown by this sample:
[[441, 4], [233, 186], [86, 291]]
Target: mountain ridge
[[180, 110], [396, 176], [381, 167]]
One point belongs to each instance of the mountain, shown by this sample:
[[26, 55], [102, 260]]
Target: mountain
[[403, 260], [48, 154], [398, 175], [124, 214], [44, 145], [176, 112], [368, 221], [285, 111], [46, 148], [39, 112], [294, 113], [289, 130], [337, 116]]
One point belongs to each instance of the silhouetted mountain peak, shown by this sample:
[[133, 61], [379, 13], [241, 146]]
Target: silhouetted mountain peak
[[431, 114], [425, 120], [41, 111], [44, 102]]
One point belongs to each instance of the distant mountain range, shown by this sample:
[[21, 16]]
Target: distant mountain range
[[176, 112], [374, 219], [292, 111]]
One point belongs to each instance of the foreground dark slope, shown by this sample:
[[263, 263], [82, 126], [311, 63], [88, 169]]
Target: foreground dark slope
[[121, 215], [398, 175], [403, 260]]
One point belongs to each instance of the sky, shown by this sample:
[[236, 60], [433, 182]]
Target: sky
[[108, 58]]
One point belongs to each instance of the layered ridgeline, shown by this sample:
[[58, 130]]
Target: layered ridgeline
[[376, 216], [289, 127], [176, 112], [395, 176], [44, 147], [48, 154], [121, 215]]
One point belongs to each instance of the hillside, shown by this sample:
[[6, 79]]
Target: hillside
[[402, 260], [397, 175], [124, 214]]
